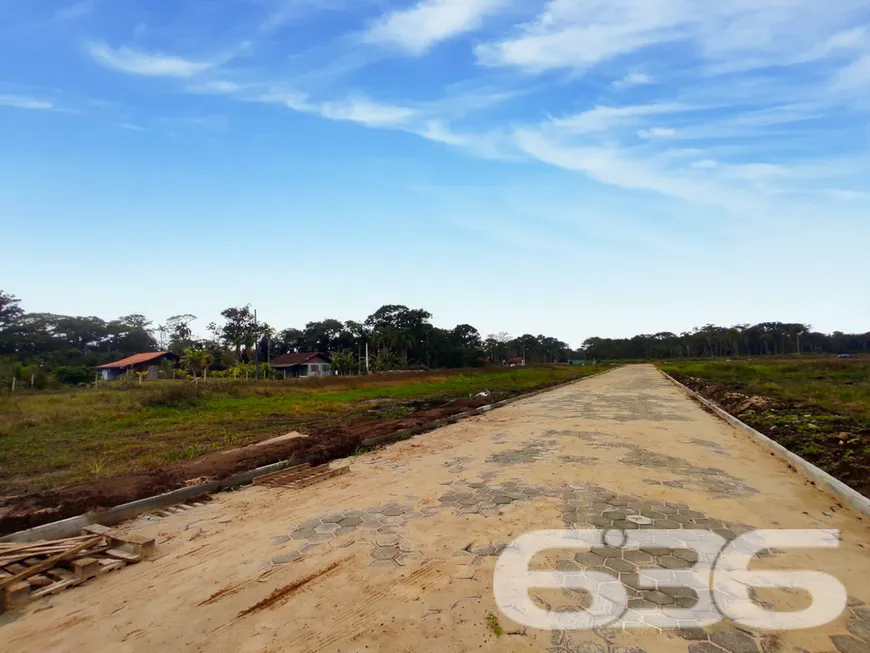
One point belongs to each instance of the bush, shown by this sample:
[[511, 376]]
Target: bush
[[73, 374], [175, 395]]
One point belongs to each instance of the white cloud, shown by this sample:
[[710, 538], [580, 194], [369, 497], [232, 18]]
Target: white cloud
[[737, 35], [134, 62], [633, 79], [216, 87], [25, 102], [129, 126], [705, 164], [366, 112], [855, 76], [657, 132], [602, 118], [430, 21]]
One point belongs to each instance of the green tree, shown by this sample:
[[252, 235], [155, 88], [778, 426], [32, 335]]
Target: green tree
[[196, 361]]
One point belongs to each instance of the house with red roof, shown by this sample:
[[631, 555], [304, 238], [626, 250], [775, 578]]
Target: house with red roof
[[302, 364], [145, 362]]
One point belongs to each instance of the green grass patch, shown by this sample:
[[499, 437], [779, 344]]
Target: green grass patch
[[53, 439]]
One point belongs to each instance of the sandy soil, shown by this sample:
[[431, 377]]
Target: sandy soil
[[398, 555]]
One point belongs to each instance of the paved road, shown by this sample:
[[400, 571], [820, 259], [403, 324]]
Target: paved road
[[398, 555]]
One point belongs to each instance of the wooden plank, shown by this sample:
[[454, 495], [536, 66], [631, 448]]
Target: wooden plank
[[320, 477], [126, 556], [134, 543], [51, 562], [39, 581], [297, 469], [53, 588], [15, 595]]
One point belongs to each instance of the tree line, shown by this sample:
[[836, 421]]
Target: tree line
[[763, 339], [36, 345], [45, 347]]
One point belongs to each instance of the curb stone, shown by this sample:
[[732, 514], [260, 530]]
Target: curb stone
[[827, 483]]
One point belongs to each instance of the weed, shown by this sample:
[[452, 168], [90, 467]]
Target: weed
[[97, 468], [493, 625], [362, 449]]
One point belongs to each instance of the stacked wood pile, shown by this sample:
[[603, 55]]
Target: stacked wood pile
[[301, 475], [31, 571]]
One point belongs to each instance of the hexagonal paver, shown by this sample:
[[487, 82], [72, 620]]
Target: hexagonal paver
[[393, 521], [671, 562], [659, 598], [846, 644], [589, 559], [385, 552], [407, 558], [735, 641], [320, 537], [351, 521], [394, 511], [332, 519], [372, 518], [638, 557], [284, 558], [704, 647], [311, 523], [686, 554], [620, 565], [387, 540], [279, 539], [327, 527], [303, 533], [344, 530]]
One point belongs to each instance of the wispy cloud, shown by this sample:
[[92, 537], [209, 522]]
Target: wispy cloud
[[129, 126], [737, 35], [657, 132], [135, 62], [855, 76], [633, 79], [603, 118], [418, 28], [25, 102]]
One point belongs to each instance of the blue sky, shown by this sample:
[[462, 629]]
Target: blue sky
[[571, 167]]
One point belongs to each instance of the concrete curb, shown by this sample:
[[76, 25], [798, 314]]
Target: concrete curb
[[820, 478], [72, 526]]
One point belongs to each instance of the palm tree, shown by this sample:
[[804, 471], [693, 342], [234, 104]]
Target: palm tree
[[196, 360]]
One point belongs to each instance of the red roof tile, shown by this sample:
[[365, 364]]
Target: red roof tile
[[136, 359], [287, 360]]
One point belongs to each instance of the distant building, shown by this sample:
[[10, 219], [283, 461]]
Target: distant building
[[146, 362], [303, 364], [519, 361]]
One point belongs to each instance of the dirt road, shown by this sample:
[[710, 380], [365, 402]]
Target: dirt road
[[398, 555]]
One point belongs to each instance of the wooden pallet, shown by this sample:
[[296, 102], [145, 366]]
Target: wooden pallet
[[31, 571], [301, 476]]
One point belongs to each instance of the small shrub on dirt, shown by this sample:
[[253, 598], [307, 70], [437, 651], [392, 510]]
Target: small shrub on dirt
[[176, 395]]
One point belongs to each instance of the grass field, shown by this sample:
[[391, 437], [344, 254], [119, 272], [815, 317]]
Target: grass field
[[49, 440], [817, 407]]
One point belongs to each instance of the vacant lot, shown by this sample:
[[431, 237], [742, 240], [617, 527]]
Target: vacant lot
[[62, 453], [817, 407]]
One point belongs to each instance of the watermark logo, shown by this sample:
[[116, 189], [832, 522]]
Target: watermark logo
[[720, 579]]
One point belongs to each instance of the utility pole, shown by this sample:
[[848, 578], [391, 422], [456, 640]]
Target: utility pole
[[256, 348], [367, 358]]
